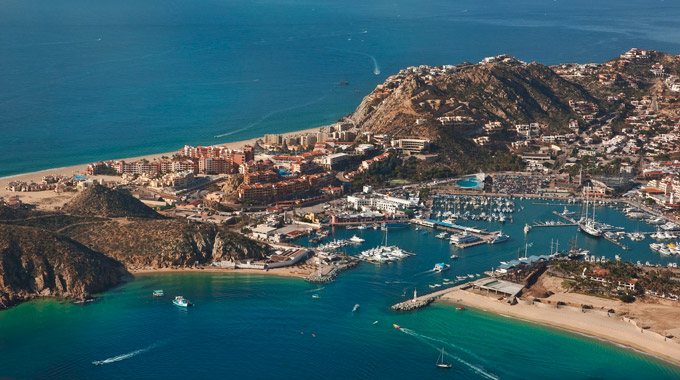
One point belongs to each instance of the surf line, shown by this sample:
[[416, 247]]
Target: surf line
[[424, 339], [126, 356], [376, 66]]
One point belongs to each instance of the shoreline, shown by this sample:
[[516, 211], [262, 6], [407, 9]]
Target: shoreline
[[36, 176], [614, 329], [292, 272]]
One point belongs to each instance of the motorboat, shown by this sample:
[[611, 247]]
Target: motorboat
[[441, 267], [181, 302]]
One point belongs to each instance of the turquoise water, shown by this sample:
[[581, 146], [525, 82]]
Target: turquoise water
[[89, 80], [467, 183], [254, 326]]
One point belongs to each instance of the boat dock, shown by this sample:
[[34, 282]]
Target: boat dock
[[568, 219], [484, 236], [552, 224], [487, 284], [613, 241]]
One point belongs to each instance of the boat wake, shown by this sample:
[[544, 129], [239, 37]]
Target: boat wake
[[427, 340], [314, 290], [376, 66], [270, 114], [127, 356]]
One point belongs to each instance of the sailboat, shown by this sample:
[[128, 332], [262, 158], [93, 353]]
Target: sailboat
[[440, 361], [589, 226]]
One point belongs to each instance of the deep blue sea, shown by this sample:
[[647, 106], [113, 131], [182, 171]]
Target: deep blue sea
[[260, 327], [83, 80]]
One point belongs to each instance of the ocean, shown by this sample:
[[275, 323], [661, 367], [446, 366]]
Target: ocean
[[259, 327], [83, 81]]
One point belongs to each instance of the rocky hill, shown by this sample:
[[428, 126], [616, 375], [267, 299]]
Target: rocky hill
[[90, 249], [101, 201], [142, 244], [499, 91], [37, 263], [431, 102]]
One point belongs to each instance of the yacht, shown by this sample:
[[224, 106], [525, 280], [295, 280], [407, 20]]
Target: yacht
[[442, 235], [356, 239], [499, 238], [464, 238], [566, 212], [527, 228]]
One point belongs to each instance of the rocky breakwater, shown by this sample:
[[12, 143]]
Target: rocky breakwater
[[412, 305]]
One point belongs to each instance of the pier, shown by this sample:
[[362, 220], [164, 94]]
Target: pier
[[484, 236], [618, 243]]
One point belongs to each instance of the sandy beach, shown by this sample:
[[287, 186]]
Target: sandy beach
[[596, 322], [294, 271], [50, 199]]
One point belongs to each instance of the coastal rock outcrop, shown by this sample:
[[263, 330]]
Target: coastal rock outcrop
[[37, 263]]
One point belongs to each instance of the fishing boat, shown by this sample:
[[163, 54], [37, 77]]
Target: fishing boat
[[158, 293], [356, 239], [355, 308], [396, 326], [441, 363], [181, 302]]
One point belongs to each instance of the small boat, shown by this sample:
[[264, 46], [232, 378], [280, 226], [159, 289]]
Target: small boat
[[315, 295], [441, 267], [356, 307], [158, 293], [441, 363], [181, 302], [460, 308], [396, 326], [356, 239], [454, 256], [375, 322]]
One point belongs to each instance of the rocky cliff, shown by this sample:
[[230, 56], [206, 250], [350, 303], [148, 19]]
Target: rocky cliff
[[37, 263]]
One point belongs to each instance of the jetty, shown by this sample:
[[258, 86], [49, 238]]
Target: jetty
[[328, 273], [507, 289]]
